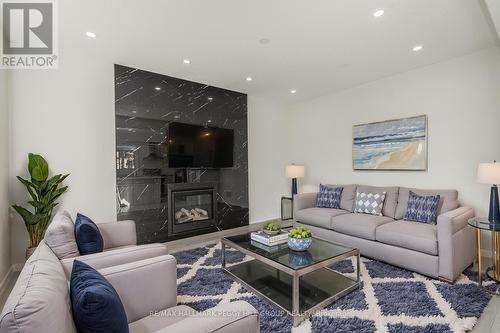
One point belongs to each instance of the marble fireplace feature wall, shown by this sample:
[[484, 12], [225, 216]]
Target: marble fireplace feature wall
[[145, 103]]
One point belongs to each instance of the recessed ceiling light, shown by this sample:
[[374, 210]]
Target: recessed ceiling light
[[186, 61], [157, 88], [91, 34], [249, 78], [417, 48], [293, 91], [378, 13], [209, 120]]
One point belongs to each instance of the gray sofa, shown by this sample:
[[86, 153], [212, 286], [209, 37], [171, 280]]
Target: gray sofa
[[40, 300], [442, 250]]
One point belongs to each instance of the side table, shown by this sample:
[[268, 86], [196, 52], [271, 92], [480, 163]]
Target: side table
[[286, 208], [482, 223]]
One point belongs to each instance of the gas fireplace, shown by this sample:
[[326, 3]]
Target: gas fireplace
[[191, 208]]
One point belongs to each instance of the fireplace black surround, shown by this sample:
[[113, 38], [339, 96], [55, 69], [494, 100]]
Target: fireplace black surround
[[192, 208], [145, 105]]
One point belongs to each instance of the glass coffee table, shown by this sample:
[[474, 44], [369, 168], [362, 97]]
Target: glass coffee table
[[299, 283]]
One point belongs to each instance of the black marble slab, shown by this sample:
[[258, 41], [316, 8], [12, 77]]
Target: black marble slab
[[145, 103]]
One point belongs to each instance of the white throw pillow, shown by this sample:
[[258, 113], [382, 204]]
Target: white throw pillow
[[60, 236]]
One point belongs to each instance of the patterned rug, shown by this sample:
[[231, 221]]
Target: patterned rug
[[392, 300]]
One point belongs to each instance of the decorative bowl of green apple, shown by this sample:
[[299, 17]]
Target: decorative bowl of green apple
[[299, 239], [272, 228]]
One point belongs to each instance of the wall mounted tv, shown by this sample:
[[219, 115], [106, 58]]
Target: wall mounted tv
[[194, 146]]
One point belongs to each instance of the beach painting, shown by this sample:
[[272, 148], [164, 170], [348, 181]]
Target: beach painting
[[399, 144]]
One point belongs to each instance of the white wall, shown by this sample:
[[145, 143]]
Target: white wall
[[268, 153], [461, 98], [4, 174], [67, 115]]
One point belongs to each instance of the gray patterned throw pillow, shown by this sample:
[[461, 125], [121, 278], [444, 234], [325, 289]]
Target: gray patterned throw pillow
[[369, 203]]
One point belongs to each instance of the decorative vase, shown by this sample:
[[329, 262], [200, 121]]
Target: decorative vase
[[299, 244], [29, 251]]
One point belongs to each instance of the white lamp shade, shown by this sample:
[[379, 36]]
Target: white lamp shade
[[488, 173], [295, 171]]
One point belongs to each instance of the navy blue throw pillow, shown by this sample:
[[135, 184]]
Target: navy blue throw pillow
[[87, 234], [329, 197], [96, 306], [422, 208]]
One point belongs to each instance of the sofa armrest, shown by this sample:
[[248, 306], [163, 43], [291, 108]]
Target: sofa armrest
[[234, 317], [145, 286], [116, 257], [454, 220], [304, 200], [456, 242], [116, 234]]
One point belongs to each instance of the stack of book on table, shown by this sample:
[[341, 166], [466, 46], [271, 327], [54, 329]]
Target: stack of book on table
[[270, 243]]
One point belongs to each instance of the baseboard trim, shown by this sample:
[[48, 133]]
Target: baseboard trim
[[270, 219]]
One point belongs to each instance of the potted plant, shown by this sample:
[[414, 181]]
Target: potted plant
[[299, 239], [272, 228], [44, 192]]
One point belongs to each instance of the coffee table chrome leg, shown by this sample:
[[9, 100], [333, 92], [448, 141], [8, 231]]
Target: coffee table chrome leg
[[358, 268], [295, 301], [223, 254]]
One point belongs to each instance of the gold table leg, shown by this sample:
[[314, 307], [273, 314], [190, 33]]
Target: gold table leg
[[494, 272], [479, 266]]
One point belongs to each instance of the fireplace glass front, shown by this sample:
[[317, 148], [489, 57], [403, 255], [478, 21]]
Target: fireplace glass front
[[192, 206]]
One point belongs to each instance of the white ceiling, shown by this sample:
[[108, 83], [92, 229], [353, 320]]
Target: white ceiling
[[315, 47]]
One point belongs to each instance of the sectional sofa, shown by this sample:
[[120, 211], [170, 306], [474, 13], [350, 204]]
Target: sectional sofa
[[144, 276], [442, 250]]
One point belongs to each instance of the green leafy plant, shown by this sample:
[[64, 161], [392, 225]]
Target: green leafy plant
[[44, 192], [272, 226], [299, 232]]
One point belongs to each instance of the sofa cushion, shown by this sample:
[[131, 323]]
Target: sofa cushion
[[448, 200], [87, 234], [422, 208], [328, 197], [347, 197], [359, 225], [60, 236], [161, 319], [96, 306], [415, 236], [369, 203], [320, 217], [391, 197], [39, 301]]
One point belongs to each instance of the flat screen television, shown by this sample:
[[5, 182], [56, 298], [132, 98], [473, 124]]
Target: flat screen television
[[193, 146]]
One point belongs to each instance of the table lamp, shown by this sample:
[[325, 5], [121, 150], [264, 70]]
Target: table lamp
[[294, 171], [489, 173]]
